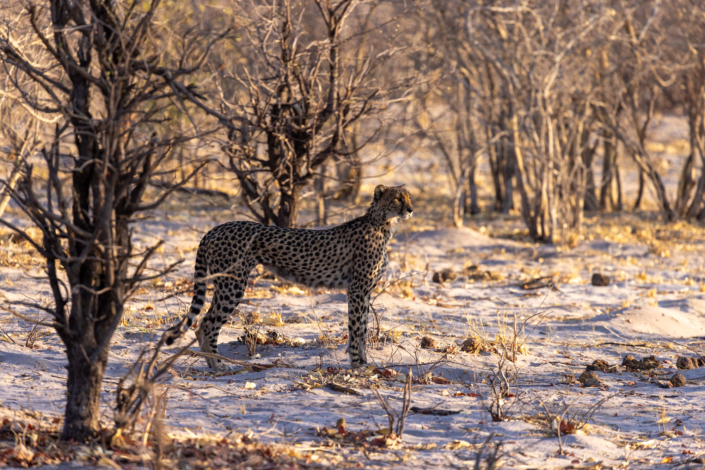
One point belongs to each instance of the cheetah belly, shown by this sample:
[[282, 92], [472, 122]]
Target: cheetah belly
[[284, 273], [333, 275]]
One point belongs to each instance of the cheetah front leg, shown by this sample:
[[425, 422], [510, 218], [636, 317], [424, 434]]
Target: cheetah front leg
[[358, 308]]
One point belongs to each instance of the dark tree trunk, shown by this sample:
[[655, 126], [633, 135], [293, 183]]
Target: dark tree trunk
[[496, 170], [690, 208], [686, 185], [609, 163], [82, 416], [472, 206], [696, 208], [508, 177], [590, 200], [640, 193], [82, 419], [288, 207], [618, 185], [320, 187]]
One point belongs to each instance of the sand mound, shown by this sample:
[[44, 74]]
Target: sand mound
[[440, 242], [680, 320]]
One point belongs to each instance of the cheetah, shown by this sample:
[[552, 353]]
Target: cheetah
[[351, 256]]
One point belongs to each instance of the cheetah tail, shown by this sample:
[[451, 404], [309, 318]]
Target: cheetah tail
[[199, 297]]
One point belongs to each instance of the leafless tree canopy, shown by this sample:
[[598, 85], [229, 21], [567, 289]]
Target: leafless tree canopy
[[543, 90], [307, 80]]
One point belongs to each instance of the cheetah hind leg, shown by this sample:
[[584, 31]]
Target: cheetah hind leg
[[226, 298], [207, 335]]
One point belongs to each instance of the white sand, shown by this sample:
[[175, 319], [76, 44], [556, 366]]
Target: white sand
[[579, 318]]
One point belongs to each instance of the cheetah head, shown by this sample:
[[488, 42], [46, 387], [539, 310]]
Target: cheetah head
[[393, 202]]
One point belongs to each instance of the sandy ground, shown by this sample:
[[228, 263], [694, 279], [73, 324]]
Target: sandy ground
[[655, 305]]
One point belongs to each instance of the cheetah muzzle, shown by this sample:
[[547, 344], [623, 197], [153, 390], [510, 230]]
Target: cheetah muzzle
[[351, 256]]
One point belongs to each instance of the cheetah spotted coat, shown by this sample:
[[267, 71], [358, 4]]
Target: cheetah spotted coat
[[351, 256]]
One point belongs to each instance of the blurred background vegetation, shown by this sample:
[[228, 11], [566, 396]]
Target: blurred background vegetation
[[542, 110]]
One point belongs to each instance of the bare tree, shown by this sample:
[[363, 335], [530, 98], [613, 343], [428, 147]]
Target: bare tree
[[686, 32], [104, 77], [545, 90], [287, 113], [540, 95], [448, 116], [644, 71]]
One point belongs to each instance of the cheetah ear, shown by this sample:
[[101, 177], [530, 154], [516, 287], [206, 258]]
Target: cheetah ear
[[378, 191]]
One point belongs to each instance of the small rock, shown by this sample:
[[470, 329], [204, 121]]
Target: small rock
[[589, 379], [443, 276], [686, 363], [647, 363], [428, 343], [629, 360], [678, 380], [469, 345], [600, 365], [600, 280], [650, 362]]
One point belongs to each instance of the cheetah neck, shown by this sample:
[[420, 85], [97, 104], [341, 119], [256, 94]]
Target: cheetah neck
[[391, 225], [382, 224], [378, 217]]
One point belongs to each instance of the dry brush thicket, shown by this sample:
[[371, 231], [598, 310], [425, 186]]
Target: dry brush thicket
[[546, 92], [107, 108]]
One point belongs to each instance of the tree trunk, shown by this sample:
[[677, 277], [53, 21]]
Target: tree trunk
[[607, 202], [459, 199], [640, 194], [698, 199], [82, 418], [472, 206], [693, 208], [618, 185], [320, 187], [508, 177], [288, 207], [495, 168], [590, 200], [686, 185]]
